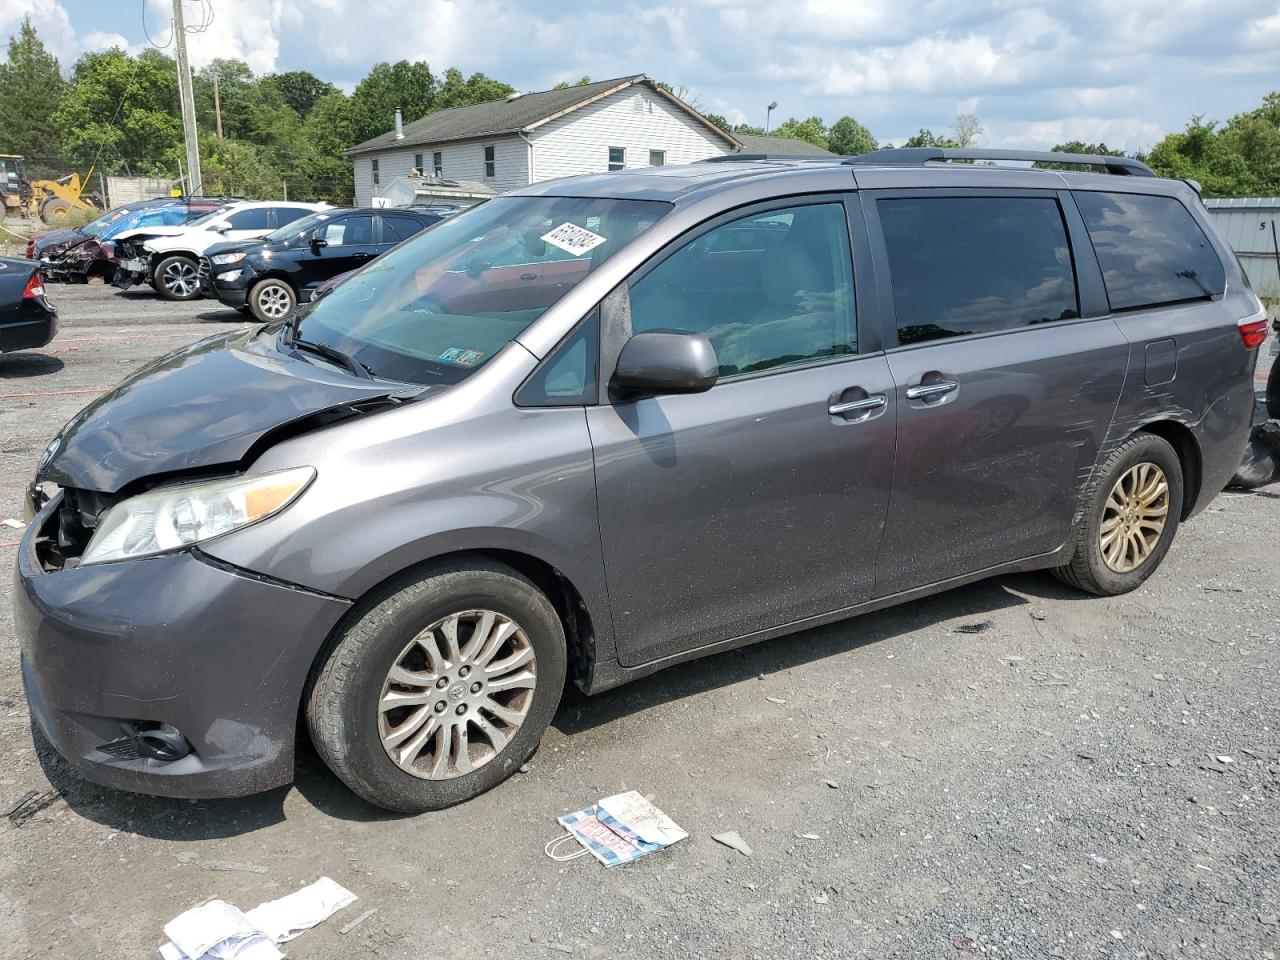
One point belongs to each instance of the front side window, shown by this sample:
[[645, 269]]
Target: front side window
[[657, 158], [437, 163], [348, 232], [255, 218], [969, 265], [617, 158], [1151, 250], [768, 290], [374, 164], [441, 305], [490, 163]]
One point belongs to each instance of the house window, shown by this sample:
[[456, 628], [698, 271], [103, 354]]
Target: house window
[[657, 158], [490, 165], [437, 163], [417, 164], [617, 158], [376, 181]]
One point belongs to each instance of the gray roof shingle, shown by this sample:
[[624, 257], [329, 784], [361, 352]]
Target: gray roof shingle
[[781, 146], [495, 117]]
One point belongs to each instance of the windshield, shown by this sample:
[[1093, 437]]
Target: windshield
[[298, 227], [211, 215], [439, 306], [94, 228]]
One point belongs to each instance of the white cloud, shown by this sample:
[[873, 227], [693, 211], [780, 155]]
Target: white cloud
[[926, 65], [1125, 133]]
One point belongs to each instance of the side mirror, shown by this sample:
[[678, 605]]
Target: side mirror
[[223, 227], [664, 362], [318, 241]]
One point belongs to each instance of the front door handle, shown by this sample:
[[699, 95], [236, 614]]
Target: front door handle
[[361, 256], [931, 391], [874, 402]]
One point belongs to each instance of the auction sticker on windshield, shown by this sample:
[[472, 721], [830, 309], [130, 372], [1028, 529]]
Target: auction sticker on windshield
[[573, 239]]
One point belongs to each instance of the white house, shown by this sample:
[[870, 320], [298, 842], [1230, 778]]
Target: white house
[[504, 144]]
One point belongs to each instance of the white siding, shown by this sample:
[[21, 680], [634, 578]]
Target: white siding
[[462, 161], [636, 119]]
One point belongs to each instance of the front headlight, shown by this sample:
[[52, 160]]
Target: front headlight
[[221, 259], [171, 518]]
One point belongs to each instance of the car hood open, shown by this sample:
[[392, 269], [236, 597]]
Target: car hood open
[[204, 406]]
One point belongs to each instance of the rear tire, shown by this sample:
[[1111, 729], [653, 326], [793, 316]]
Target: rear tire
[[271, 300], [1118, 545], [448, 742], [177, 278]]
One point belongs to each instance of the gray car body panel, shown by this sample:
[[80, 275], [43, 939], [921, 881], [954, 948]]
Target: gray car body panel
[[695, 523]]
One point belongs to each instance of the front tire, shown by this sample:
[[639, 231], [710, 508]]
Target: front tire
[[177, 278], [1131, 512], [271, 300], [441, 688]]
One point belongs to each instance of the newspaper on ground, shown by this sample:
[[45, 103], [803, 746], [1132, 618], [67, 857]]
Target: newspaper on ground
[[620, 829], [220, 931]]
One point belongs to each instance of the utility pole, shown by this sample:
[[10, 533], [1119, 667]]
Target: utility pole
[[217, 101], [188, 100]]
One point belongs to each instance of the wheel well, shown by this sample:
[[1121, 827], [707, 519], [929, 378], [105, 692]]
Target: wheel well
[[564, 596], [1184, 444]]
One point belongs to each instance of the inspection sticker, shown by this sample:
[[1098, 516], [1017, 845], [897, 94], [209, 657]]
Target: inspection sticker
[[573, 239], [461, 356]]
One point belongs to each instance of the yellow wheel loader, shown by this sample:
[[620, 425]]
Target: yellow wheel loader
[[53, 201]]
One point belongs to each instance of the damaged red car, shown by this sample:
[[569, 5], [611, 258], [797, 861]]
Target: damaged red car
[[76, 254]]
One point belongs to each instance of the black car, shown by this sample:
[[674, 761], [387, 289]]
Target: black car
[[27, 319], [270, 277]]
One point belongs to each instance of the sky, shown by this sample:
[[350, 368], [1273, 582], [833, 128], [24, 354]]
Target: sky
[[1035, 74]]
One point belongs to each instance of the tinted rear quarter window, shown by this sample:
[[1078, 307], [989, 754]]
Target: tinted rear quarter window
[[395, 229], [970, 265], [1151, 250]]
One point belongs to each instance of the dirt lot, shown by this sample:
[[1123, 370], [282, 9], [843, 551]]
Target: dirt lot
[[1015, 770]]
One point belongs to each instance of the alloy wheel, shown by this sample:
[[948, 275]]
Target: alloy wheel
[[180, 278], [274, 301], [457, 694], [1134, 517]]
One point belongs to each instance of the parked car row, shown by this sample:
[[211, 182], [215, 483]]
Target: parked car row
[[261, 257]]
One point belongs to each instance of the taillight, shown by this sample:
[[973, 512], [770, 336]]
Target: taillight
[[34, 288], [1253, 330]]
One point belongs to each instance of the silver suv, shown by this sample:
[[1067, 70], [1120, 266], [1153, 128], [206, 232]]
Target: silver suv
[[607, 424]]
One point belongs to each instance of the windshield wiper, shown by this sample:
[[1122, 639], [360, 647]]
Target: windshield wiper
[[361, 370]]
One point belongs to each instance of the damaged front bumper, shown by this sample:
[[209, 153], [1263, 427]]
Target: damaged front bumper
[[79, 263], [180, 642]]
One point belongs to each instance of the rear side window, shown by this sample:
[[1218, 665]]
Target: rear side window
[[968, 265], [1151, 250], [289, 214], [395, 229]]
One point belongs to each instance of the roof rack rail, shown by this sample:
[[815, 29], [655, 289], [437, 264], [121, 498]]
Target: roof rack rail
[[747, 157], [913, 156]]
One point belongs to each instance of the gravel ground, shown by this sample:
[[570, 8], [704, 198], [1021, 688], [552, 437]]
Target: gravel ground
[[1010, 769]]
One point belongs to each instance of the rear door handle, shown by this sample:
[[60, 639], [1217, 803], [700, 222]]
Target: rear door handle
[[874, 402], [361, 256], [931, 391]]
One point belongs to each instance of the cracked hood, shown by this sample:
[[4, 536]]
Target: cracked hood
[[202, 406], [57, 242]]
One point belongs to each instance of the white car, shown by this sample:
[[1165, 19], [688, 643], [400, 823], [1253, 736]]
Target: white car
[[169, 257]]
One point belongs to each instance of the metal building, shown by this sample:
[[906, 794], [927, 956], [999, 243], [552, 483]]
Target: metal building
[[1251, 226]]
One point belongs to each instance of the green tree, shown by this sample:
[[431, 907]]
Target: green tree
[[582, 81], [849, 138], [300, 89], [1079, 146], [409, 87], [720, 122], [120, 111], [477, 88], [31, 87], [927, 138], [813, 130]]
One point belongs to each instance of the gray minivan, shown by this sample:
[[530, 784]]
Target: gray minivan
[[603, 425]]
